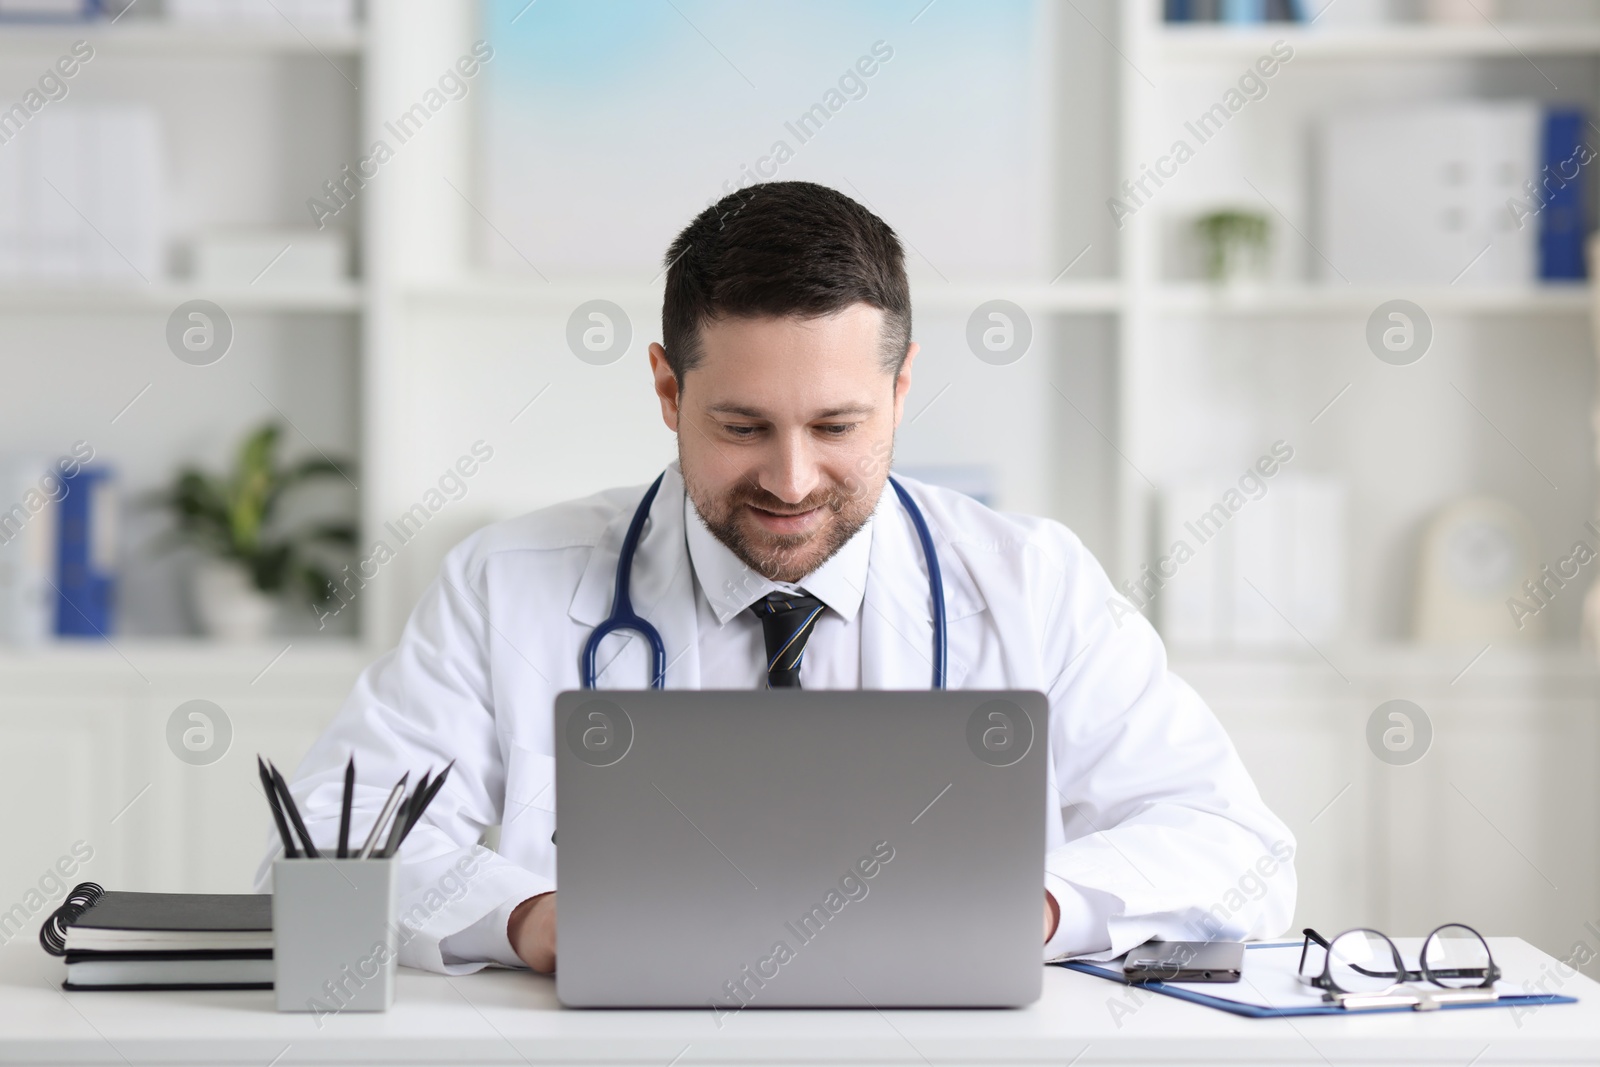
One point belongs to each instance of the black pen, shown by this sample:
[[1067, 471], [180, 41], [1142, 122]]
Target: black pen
[[344, 810], [410, 810], [289, 851], [424, 801], [294, 813]]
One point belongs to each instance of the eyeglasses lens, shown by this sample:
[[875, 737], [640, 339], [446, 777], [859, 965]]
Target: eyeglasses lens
[[1456, 957], [1360, 961]]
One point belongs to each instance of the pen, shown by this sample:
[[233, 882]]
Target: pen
[[289, 851], [402, 816], [383, 816], [416, 798], [344, 809], [294, 812], [423, 802]]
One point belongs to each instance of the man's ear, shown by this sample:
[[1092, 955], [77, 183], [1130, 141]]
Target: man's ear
[[902, 381], [666, 386]]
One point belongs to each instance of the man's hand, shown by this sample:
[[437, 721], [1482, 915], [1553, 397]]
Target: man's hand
[[1052, 915], [532, 931]]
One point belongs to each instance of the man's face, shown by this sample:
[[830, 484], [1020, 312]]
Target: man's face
[[787, 432]]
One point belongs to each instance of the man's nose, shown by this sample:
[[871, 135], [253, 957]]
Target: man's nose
[[791, 473]]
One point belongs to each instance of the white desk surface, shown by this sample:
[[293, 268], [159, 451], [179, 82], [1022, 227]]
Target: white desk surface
[[512, 1017]]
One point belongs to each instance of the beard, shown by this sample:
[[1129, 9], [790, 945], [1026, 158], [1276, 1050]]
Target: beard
[[782, 557]]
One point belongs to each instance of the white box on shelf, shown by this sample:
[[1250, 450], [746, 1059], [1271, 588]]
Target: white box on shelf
[[13, 211], [81, 196], [54, 167], [1325, 14], [271, 257], [1290, 546], [1420, 194], [125, 154], [1268, 572], [1318, 541], [42, 10], [1263, 569], [29, 491], [195, 10], [1475, 13], [1192, 602]]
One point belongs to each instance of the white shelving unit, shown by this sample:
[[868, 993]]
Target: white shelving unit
[[253, 119], [1262, 159], [1482, 827], [278, 110]]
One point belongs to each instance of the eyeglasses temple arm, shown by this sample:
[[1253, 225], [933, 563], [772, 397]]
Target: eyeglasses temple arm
[[1305, 946]]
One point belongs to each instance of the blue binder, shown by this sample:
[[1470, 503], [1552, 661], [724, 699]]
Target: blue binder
[[1253, 1011], [85, 550], [1562, 226]]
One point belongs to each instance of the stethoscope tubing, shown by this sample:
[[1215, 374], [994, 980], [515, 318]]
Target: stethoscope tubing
[[623, 617]]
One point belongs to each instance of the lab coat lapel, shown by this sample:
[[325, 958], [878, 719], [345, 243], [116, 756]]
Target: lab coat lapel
[[897, 610], [662, 586]]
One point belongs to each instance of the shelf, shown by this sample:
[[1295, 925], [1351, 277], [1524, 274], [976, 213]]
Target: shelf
[[162, 297], [134, 660], [1084, 296], [1411, 667], [1272, 300], [513, 296], [177, 40], [1244, 44]]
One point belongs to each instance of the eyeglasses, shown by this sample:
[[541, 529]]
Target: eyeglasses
[[1362, 968]]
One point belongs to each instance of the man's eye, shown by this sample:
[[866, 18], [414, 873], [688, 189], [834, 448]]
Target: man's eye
[[742, 431], [837, 429]]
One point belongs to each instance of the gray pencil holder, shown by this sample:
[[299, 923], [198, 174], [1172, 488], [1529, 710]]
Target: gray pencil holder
[[333, 934]]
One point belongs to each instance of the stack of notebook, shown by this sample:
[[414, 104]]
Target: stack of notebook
[[162, 940]]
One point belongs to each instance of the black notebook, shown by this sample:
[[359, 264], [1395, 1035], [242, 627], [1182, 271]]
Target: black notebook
[[165, 940], [169, 970]]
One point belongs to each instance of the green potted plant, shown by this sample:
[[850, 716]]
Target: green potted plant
[[250, 560], [1233, 245]]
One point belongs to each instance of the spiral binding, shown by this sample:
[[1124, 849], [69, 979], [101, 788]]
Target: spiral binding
[[53, 934]]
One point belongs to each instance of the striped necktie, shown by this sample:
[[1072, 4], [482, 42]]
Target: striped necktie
[[787, 620]]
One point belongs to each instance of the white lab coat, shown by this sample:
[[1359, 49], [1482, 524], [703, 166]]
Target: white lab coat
[[1154, 827]]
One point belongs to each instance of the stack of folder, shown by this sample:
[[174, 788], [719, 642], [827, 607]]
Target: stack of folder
[[114, 940]]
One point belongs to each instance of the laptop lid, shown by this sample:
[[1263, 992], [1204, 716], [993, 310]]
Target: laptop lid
[[733, 849]]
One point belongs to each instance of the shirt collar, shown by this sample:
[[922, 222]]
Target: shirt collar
[[731, 587]]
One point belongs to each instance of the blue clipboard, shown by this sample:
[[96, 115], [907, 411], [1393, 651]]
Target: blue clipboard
[[1253, 1011]]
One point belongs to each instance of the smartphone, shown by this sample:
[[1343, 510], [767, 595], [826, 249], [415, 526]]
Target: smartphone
[[1184, 961]]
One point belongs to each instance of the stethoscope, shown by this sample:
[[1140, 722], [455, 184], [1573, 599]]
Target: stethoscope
[[623, 617]]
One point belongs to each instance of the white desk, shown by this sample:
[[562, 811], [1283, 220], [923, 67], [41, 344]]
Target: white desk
[[504, 1017]]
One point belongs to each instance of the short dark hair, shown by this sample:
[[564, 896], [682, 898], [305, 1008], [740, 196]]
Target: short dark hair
[[779, 249]]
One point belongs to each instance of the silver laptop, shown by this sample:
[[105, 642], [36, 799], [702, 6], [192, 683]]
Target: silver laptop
[[758, 849]]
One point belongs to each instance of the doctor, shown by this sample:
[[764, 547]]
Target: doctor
[[776, 551]]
